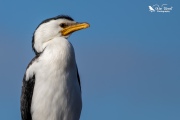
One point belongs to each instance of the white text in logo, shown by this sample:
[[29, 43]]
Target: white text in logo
[[164, 8]]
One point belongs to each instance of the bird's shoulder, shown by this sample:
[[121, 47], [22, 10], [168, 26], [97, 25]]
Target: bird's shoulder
[[31, 68]]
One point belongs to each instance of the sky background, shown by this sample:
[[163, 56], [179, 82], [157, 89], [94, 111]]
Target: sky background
[[128, 60]]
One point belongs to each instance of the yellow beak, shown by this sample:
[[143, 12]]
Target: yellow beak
[[72, 28]]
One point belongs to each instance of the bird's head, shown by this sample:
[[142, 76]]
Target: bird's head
[[59, 26]]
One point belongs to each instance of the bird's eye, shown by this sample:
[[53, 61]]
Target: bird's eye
[[63, 25]]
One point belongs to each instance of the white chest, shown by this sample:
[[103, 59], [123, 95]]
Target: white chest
[[57, 94]]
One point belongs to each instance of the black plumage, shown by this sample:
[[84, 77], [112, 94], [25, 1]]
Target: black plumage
[[26, 98]]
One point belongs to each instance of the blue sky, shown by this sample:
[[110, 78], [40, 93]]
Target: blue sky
[[128, 59]]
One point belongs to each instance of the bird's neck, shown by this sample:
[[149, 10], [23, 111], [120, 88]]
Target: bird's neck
[[60, 51]]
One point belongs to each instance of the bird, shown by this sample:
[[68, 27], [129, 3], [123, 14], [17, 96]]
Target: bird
[[51, 88], [151, 9]]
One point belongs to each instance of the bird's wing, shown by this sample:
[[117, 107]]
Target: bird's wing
[[26, 97], [78, 79], [27, 92]]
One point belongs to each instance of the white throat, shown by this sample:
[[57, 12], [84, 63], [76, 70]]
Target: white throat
[[59, 50]]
